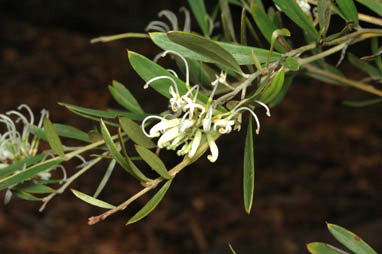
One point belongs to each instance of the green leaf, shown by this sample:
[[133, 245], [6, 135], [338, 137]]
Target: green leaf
[[280, 97], [350, 240], [328, 68], [205, 47], [109, 114], [324, 15], [134, 132], [62, 130], [242, 54], [226, 17], [291, 63], [123, 96], [34, 188], [273, 90], [243, 27], [231, 249], [249, 169], [90, 200], [321, 248], [25, 195], [124, 162], [20, 164], [53, 138], [349, 10], [199, 10], [377, 52], [148, 70], [374, 5], [28, 173], [153, 160], [295, 13], [265, 25], [105, 178], [364, 103], [150, 206], [365, 67]]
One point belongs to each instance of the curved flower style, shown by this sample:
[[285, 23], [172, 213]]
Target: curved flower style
[[200, 121], [161, 26], [17, 146]]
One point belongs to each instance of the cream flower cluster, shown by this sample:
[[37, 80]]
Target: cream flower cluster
[[14, 145], [191, 121]]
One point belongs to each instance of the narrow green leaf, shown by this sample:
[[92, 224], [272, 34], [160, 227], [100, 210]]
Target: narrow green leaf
[[62, 130], [205, 47], [249, 169], [148, 70], [265, 25], [105, 178], [273, 90], [295, 13], [321, 248], [235, 2], [153, 160], [150, 206], [243, 27], [373, 72], [53, 138], [34, 188], [242, 54], [134, 132], [124, 162], [349, 10], [199, 10], [324, 15], [377, 52], [123, 96], [374, 5], [109, 114], [329, 68], [90, 200], [20, 164], [364, 103], [350, 240], [25, 195], [280, 97], [28, 173], [227, 22]]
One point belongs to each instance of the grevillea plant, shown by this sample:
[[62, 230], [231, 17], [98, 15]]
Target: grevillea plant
[[231, 73]]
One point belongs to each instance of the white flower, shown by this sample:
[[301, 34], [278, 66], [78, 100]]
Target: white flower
[[161, 26], [15, 146], [195, 143], [193, 121], [304, 5], [213, 148]]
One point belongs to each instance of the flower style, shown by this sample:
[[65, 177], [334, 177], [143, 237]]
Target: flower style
[[200, 122], [16, 146], [161, 26]]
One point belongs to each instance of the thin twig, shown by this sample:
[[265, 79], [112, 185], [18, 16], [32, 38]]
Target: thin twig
[[119, 36], [349, 82]]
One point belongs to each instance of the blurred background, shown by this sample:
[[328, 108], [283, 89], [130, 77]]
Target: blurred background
[[316, 159]]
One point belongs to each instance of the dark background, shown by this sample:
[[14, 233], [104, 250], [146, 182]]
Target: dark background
[[316, 160]]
